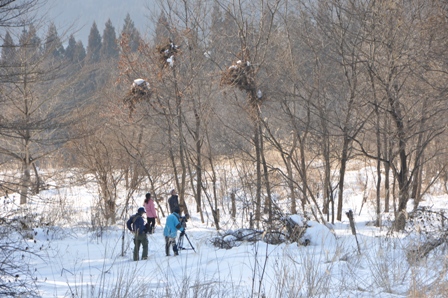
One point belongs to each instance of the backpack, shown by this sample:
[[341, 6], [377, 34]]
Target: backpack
[[131, 221]]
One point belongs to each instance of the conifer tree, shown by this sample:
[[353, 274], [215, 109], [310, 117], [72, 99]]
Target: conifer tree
[[80, 52], [109, 48], [8, 49], [70, 50], [53, 43], [75, 51], [162, 29], [94, 45], [30, 43], [131, 33]]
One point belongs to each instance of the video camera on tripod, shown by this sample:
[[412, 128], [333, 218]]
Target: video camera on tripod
[[183, 221]]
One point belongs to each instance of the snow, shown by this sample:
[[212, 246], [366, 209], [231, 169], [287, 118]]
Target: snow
[[170, 60], [78, 260], [138, 82], [320, 235], [297, 219]]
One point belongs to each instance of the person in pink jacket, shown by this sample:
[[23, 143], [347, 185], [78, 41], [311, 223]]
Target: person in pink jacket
[[151, 214]]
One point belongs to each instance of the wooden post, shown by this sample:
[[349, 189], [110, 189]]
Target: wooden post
[[352, 226]]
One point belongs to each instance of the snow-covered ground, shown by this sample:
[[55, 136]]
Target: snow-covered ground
[[78, 261]]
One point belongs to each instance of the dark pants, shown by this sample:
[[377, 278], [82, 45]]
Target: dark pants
[[140, 240], [170, 242], [150, 224]]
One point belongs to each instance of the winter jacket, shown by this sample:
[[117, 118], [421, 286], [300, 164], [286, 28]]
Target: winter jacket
[[136, 223], [150, 209], [173, 201], [172, 225]]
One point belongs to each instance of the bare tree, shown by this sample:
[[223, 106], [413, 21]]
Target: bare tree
[[36, 113], [17, 277], [248, 74]]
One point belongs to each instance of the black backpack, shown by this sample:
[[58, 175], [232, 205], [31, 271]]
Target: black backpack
[[131, 222]]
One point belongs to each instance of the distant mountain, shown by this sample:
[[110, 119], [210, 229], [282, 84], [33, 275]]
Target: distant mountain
[[82, 13]]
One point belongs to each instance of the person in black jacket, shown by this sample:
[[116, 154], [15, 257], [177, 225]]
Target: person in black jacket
[[173, 201], [136, 224]]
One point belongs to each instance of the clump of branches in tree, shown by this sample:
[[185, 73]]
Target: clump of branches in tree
[[167, 53], [240, 74], [140, 91]]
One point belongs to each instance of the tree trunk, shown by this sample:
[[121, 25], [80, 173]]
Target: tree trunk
[[417, 186], [386, 187], [215, 209], [26, 180], [258, 173], [268, 199], [378, 167], [387, 155], [418, 164], [233, 203], [344, 159], [197, 136], [38, 183], [402, 174], [326, 187], [292, 194]]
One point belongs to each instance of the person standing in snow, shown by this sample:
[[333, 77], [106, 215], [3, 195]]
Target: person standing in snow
[[173, 201], [151, 214], [136, 224], [170, 231]]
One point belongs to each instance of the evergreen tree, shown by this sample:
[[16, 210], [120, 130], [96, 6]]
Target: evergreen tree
[[215, 31], [109, 48], [94, 45], [29, 38], [131, 33], [224, 39], [8, 49], [75, 51], [162, 29], [80, 53], [30, 43], [53, 43], [70, 50]]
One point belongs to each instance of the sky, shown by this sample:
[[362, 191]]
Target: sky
[[82, 13], [79, 260]]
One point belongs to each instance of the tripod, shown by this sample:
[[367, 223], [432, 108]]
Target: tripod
[[180, 242]]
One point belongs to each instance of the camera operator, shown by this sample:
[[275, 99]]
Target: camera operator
[[173, 224]]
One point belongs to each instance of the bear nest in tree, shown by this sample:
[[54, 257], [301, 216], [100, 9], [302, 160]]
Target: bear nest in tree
[[140, 91]]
